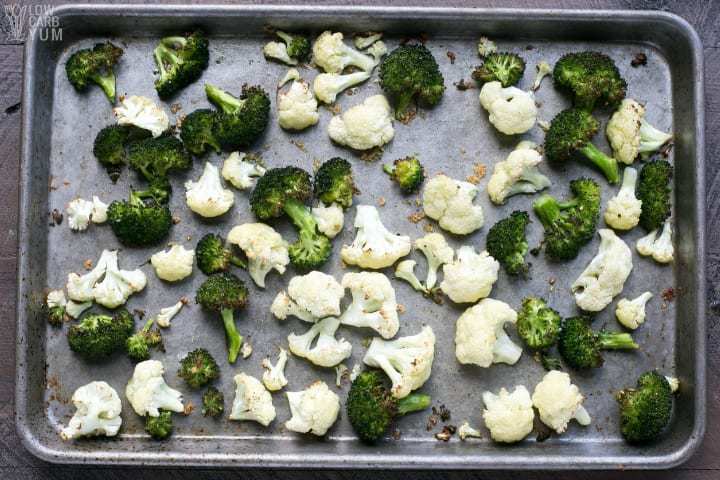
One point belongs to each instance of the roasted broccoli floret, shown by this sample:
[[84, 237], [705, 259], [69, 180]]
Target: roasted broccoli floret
[[506, 68], [645, 410], [197, 132], [198, 368], [110, 143], [285, 190], [180, 60], [371, 407], [506, 242], [142, 220], [581, 347], [297, 46], [537, 324], [94, 65], [570, 134], [654, 191], [407, 172], [213, 402], [569, 225], [159, 427], [334, 182], [409, 73], [224, 293], [240, 121], [592, 77], [213, 256], [138, 345], [155, 158], [98, 336]]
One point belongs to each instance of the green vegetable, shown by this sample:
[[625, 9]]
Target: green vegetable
[[569, 225], [197, 132], [334, 182], [213, 402], [285, 191], [138, 346], [224, 293], [98, 336], [240, 121], [654, 191], [506, 68], [506, 242], [409, 73], [537, 324], [181, 60], [198, 368], [407, 172], [155, 158], [213, 256], [592, 78], [159, 427], [645, 410], [110, 146], [142, 220], [56, 315], [94, 65], [569, 135], [371, 408], [581, 347], [298, 46]]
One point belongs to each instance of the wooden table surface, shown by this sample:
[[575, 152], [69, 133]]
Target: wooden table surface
[[16, 463]]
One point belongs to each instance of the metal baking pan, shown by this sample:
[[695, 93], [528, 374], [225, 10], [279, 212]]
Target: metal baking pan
[[58, 129]]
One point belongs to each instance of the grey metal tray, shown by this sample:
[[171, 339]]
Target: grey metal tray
[[58, 129]]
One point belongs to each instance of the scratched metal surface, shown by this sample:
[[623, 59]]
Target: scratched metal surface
[[450, 138]]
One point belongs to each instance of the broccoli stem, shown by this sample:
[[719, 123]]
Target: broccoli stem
[[389, 169], [547, 208], [233, 337], [301, 218], [413, 403], [223, 100], [402, 102], [163, 55], [148, 325], [607, 165], [107, 83], [531, 181], [174, 42], [237, 262], [616, 341]]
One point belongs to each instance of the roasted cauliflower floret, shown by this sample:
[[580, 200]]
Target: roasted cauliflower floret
[[374, 245], [470, 276], [437, 253], [480, 337], [206, 196], [309, 297], [450, 202], [623, 210], [328, 351], [274, 375], [511, 110], [631, 313], [330, 219], [314, 410], [558, 401], [173, 265], [118, 285], [252, 401], [241, 173], [629, 134], [148, 393], [297, 108], [363, 126], [264, 248], [660, 248], [98, 409], [517, 174], [508, 416], [142, 112], [332, 55], [373, 306]]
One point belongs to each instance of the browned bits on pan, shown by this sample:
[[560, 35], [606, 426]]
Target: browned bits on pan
[[416, 217], [88, 264], [479, 171], [462, 85], [451, 56], [189, 407], [382, 201], [300, 145], [639, 60], [446, 434], [57, 217]]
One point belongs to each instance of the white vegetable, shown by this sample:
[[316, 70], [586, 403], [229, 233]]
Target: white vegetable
[[465, 431], [450, 202], [98, 412], [631, 313], [118, 285], [517, 174], [407, 361], [605, 276], [511, 110], [480, 337], [542, 69], [558, 401], [363, 126], [206, 196], [246, 349], [148, 392], [143, 113], [365, 40], [377, 50], [274, 375], [174, 264], [470, 276], [252, 401], [309, 297], [623, 210], [373, 306], [239, 172], [314, 410], [292, 74], [374, 246], [674, 383], [486, 46], [340, 371], [74, 309], [327, 86], [297, 107], [278, 51], [629, 134], [78, 214], [508, 416], [167, 314], [55, 298], [332, 55], [99, 210], [264, 248], [80, 288], [659, 248], [328, 351], [437, 252], [330, 219], [405, 270]]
